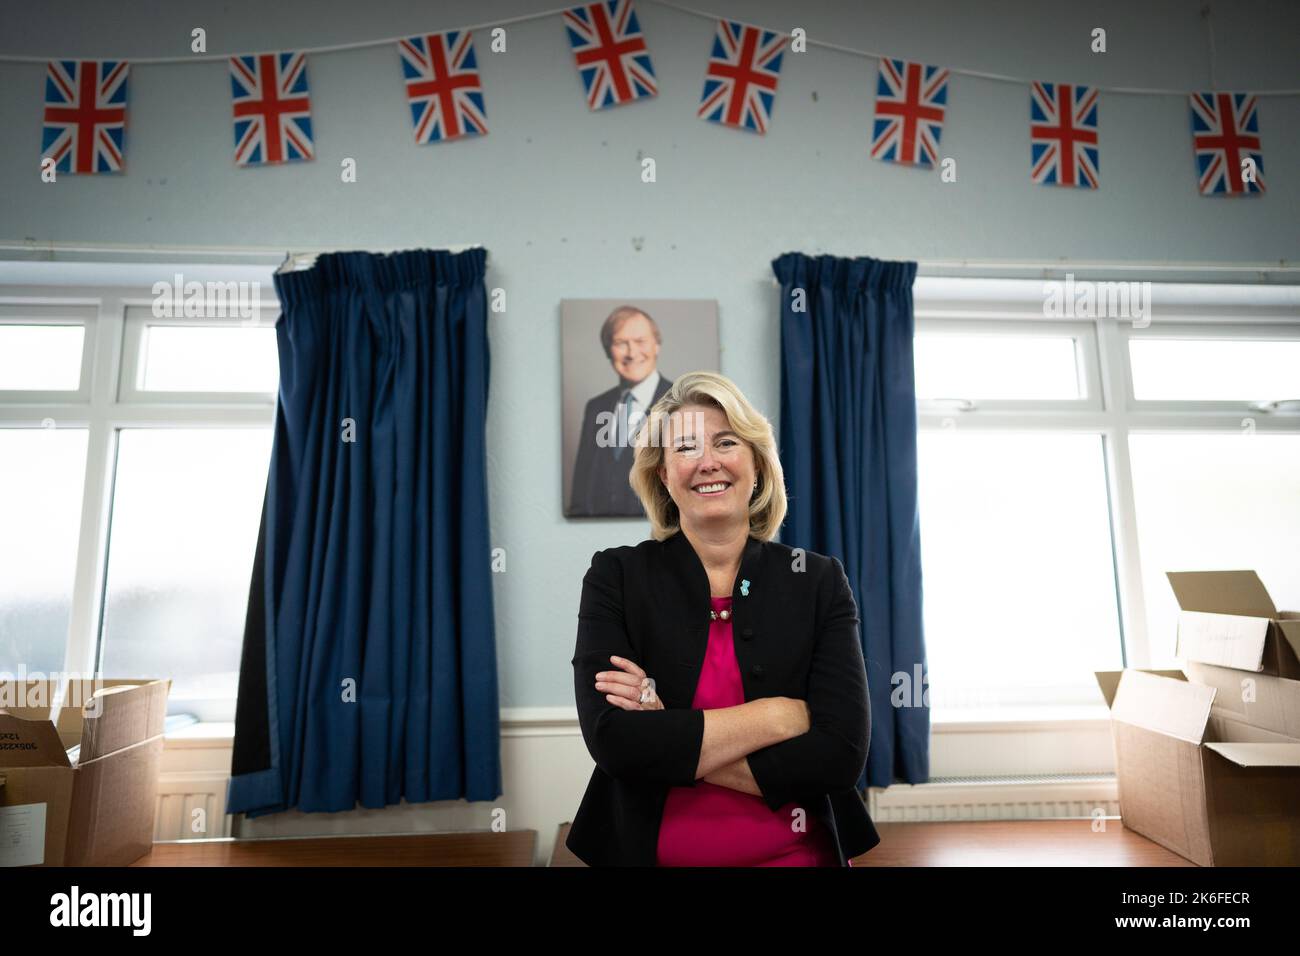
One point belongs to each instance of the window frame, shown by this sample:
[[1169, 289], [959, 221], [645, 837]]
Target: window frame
[[65, 312], [1086, 357], [135, 332], [1204, 331], [103, 408], [1227, 311]]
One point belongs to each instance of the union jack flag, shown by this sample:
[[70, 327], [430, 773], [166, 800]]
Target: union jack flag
[[85, 115], [740, 83], [610, 52], [1063, 135], [910, 104], [1225, 132], [272, 108], [442, 86]]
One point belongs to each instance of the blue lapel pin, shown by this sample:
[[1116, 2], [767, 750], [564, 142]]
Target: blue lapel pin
[[744, 587]]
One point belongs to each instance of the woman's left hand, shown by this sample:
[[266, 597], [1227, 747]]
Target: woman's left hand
[[624, 687]]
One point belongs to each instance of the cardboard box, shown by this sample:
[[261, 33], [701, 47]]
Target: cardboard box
[[79, 771], [1228, 619], [1200, 779], [1269, 703]]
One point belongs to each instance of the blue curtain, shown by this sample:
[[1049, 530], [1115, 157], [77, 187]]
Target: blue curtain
[[369, 668], [848, 447]]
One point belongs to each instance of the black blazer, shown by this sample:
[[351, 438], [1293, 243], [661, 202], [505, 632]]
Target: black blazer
[[600, 485], [796, 636]]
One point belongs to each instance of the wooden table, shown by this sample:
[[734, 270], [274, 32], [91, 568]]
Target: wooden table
[[515, 848], [957, 843], [992, 843]]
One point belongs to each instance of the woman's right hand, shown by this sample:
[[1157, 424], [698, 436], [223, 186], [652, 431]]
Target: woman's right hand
[[628, 690]]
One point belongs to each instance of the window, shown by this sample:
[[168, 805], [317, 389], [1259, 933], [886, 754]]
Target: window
[[179, 360], [997, 366], [45, 351], [1215, 370], [130, 498], [186, 505], [40, 521], [1019, 587], [1067, 464], [40, 358], [1213, 502]]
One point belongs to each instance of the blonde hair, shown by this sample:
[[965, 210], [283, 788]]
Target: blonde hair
[[766, 508]]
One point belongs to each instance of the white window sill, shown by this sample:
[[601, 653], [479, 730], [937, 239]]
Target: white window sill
[[1028, 719], [210, 734]]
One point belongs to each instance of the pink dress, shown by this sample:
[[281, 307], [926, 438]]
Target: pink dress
[[709, 825]]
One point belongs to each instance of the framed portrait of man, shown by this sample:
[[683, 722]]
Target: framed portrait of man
[[619, 358]]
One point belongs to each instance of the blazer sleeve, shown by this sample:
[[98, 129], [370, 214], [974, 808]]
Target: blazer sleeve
[[831, 755], [648, 746]]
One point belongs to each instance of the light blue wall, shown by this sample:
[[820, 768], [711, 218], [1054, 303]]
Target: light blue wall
[[554, 192]]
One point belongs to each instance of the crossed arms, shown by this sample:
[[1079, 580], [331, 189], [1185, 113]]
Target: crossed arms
[[759, 747]]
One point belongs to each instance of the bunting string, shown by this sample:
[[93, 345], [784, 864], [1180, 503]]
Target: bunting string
[[85, 115], [559, 11]]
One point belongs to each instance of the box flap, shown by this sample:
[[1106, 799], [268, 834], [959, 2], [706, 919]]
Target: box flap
[[1271, 703], [1227, 729], [1163, 704], [119, 716], [1222, 592], [29, 743], [30, 699], [1290, 629], [1259, 755], [1108, 681], [59, 701], [1229, 640]]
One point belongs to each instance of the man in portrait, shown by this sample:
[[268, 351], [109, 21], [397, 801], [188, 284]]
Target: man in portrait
[[631, 341]]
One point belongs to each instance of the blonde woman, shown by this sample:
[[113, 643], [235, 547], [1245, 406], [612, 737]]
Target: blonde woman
[[718, 673]]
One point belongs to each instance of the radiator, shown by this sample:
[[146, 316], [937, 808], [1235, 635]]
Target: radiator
[[1047, 796], [188, 800]]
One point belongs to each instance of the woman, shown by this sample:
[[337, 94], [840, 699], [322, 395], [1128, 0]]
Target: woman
[[719, 679]]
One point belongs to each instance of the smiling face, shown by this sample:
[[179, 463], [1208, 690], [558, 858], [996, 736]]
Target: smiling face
[[634, 351], [708, 469]]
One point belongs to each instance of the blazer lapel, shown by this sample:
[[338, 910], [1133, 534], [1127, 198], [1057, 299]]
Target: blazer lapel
[[749, 609], [691, 581]]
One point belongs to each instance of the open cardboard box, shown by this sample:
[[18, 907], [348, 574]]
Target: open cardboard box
[[1229, 620], [79, 770], [1257, 700], [1200, 779]]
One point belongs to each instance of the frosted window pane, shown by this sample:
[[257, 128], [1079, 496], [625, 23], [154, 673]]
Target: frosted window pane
[[186, 509], [41, 474], [1215, 503], [215, 359], [41, 358], [995, 366], [1019, 583], [1214, 370]]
